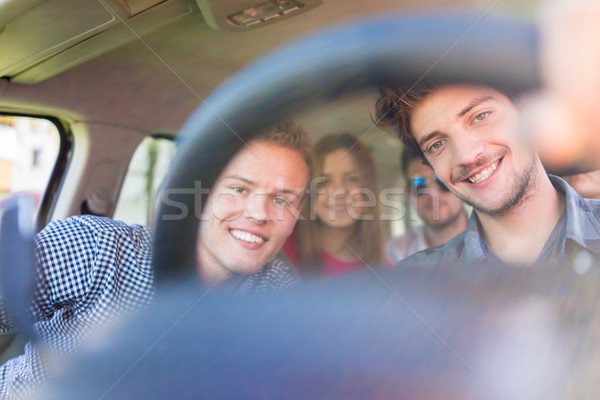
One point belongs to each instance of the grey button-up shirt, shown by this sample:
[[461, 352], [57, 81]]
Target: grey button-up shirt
[[579, 242]]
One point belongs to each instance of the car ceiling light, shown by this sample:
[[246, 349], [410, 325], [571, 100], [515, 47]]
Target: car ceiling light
[[264, 12]]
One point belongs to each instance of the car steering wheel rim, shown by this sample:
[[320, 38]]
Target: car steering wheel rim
[[405, 50]]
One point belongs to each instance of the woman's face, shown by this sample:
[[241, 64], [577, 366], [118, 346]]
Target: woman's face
[[339, 191]]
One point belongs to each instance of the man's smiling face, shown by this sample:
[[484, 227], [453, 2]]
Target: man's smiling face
[[470, 136], [251, 210]]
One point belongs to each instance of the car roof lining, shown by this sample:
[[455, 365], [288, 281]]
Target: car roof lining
[[171, 67]]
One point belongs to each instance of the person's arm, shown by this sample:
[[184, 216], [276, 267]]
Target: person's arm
[[89, 269], [66, 253], [86, 265], [57, 247]]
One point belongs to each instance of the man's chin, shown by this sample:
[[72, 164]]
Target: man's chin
[[498, 210]]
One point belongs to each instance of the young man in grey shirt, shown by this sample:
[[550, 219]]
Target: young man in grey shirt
[[470, 136]]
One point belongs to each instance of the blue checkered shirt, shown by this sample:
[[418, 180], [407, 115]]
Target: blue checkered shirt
[[92, 270]]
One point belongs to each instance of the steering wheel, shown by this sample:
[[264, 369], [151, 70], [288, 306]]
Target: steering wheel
[[360, 339], [407, 50]]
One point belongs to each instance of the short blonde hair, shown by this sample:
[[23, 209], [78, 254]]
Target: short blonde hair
[[286, 133]]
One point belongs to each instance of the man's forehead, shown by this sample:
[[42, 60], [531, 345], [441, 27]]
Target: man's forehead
[[457, 96], [267, 166], [256, 153], [450, 101], [273, 180]]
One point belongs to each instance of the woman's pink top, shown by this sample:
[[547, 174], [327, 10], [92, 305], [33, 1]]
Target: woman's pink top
[[331, 266]]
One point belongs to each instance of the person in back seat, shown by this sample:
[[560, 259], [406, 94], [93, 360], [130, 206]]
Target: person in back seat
[[92, 269], [341, 230], [442, 212]]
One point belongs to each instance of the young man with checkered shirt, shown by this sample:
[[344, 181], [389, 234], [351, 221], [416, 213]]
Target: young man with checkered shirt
[[93, 269]]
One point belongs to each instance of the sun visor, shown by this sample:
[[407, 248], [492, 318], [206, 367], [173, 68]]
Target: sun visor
[[11, 9], [134, 7], [103, 31], [47, 29]]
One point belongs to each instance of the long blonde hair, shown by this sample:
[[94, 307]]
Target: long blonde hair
[[367, 239]]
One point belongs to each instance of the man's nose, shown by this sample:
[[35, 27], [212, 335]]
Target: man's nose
[[257, 208], [468, 148]]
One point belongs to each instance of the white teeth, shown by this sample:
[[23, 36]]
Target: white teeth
[[246, 236], [483, 175]]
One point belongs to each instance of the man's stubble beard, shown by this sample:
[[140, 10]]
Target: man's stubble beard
[[524, 187]]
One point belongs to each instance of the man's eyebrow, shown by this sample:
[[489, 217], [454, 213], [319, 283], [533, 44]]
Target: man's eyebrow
[[240, 178], [252, 183], [290, 191], [426, 138], [474, 104]]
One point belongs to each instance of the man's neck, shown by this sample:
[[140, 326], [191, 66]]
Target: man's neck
[[210, 272], [519, 236], [436, 236]]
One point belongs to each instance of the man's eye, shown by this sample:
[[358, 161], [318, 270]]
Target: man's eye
[[280, 201], [436, 145], [481, 116], [239, 189]]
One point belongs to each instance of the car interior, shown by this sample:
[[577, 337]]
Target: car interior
[[127, 85], [119, 71]]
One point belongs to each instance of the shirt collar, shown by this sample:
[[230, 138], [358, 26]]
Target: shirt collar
[[474, 249], [582, 226]]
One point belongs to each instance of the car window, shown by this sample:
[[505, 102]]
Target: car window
[[145, 174], [29, 148]]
